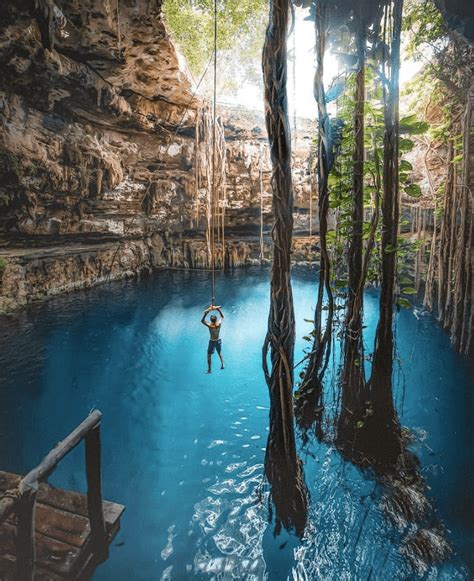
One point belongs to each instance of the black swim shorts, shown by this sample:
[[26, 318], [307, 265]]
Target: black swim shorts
[[214, 346]]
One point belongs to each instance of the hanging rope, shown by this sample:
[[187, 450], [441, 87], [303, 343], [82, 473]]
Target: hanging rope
[[223, 176], [262, 253], [214, 153]]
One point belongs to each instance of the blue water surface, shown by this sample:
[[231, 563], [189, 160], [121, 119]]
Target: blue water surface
[[184, 450]]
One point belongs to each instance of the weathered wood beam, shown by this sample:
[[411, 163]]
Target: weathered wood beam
[[94, 494], [51, 460], [25, 536]]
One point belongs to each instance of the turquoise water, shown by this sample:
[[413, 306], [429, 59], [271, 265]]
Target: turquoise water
[[184, 451]]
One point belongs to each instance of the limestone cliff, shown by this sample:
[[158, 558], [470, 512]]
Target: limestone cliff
[[99, 153]]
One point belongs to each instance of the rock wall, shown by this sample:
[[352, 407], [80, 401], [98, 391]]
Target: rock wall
[[31, 274], [98, 148], [249, 172], [90, 140]]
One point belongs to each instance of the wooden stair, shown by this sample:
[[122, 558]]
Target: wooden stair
[[62, 533]]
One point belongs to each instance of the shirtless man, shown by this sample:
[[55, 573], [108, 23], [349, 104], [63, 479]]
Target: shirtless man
[[214, 327]]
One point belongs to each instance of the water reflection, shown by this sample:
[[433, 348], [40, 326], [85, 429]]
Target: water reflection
[[381, 450]]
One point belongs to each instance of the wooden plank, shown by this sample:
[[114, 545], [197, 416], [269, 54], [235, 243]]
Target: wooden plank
[[76, 503], [8, 481], [50, 553], [62, 533], [66, 527], [65, 500], [8, 571]]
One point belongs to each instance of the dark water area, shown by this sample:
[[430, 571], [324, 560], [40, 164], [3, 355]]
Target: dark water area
[[184, 451]]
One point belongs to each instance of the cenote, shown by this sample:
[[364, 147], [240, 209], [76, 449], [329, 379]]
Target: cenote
[[184, 451]]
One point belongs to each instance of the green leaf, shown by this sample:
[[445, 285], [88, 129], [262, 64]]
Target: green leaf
[[403, 177], [390, 248], [405, 165], [307, 338], [413, 190], [457, 158], [308, 320], [412, 125], [405, 303], [415, 128], [408, 120], [409, 290], [406, 145], [360, 424]]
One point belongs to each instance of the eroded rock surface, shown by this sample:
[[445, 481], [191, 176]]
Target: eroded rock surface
[[30, 274], [98, 150]]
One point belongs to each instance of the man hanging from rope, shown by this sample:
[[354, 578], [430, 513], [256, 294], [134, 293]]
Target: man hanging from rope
[[215, 344]]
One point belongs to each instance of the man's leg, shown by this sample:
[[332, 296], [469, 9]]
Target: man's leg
[[220, 354], [209, 357]]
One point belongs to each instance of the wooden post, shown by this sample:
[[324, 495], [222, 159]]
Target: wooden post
[[94, 494], [25, 536]]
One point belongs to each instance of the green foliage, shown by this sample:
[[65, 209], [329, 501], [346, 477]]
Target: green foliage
[[341, 178], [413, 126], [406, 145], [413, 190], [425, 27], [241, 25], [3, 264]]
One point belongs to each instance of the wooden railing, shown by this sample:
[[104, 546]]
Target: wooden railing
[[22, 500]]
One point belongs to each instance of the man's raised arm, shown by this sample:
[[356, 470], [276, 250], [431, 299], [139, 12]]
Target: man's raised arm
[[203, 320], [219, 310]]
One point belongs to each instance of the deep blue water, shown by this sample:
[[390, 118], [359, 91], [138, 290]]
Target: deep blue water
[[184, 451]]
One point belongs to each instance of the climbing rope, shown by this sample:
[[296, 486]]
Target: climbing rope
[[262, 253], [214, 153]]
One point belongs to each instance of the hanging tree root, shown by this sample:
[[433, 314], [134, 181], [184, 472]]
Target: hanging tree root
[[353, 385], [282, 465], [379, 438], [309, 403]]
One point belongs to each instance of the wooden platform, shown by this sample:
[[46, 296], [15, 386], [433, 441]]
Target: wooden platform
[[63, 548]]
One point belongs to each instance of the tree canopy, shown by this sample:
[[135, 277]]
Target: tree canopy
[[241, 25]]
